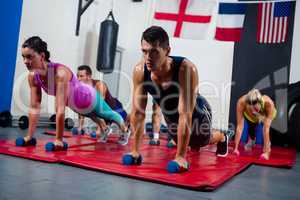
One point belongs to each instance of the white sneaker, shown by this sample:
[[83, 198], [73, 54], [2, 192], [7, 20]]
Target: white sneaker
[[124, 137], [104, 136], [115, 128]]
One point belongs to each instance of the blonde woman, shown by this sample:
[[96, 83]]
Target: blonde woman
[[256, 109]]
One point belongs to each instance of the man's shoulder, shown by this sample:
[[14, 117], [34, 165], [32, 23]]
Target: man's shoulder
[[187, 65], [97, 82], [138, 70], [139, 66]]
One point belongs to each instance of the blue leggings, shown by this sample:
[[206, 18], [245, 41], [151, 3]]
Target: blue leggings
[[252, 130], [102, 110]]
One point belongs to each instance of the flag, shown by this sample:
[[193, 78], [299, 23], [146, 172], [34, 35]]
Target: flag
[[189, 19], [273, 22], [230, 21], [261, 66]]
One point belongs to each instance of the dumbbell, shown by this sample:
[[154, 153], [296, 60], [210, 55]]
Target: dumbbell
[[69, 123], [6, 119], [75, 131]]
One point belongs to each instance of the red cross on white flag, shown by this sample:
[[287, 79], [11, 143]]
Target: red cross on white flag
[[188, 19]]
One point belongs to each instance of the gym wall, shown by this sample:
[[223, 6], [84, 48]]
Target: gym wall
[[10, 17], [295, 60], [57, 23]]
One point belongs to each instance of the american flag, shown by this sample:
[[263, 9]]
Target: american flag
[[273, 22]]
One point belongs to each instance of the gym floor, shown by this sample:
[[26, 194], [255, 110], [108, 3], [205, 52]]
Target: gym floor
[[22, 178]]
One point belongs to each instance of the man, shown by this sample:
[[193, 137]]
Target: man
[[173, 84], [84, 74], [257, 110]]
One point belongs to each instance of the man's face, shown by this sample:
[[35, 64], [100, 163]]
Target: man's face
[[83, 76], [154, 55]]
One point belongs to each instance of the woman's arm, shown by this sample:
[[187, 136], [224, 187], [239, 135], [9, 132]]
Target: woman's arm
[[240, 107], [62, 80], [35, 105]]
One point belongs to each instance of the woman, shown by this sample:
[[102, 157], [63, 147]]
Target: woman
[[58, 80], [256, 109]]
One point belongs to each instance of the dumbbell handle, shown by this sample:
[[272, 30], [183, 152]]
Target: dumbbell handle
[[45, 122], [38, 122]]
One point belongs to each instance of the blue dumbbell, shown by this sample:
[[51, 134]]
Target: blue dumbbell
[[76, 132], [130, 160], [173, 167], [20, 142], [93, 134], [163, 129], [50, 146], [154, 142]]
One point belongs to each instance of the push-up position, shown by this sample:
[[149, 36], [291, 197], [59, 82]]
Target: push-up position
[[173, 84], [84, 74], [58, 80], [256, 109]]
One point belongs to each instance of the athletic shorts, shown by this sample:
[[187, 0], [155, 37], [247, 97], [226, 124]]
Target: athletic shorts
[[201, 125]]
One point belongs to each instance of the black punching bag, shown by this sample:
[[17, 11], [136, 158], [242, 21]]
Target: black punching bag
[[107, 44]]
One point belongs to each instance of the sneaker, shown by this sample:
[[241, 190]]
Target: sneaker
[[124, 137], [104, 136], [230, 133], [222, 147], [115, 128]]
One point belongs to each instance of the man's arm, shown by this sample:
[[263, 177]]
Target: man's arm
[[139, 103], [188, 83], [35, 105]]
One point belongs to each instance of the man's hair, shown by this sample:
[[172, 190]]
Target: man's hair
[[156, 35], [86, 68]]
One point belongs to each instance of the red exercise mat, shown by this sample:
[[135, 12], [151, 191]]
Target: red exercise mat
[[67, 134], [280, 157], [38, 152], [207, 171]]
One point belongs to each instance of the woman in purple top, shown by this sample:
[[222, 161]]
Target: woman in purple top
[[58, 80]]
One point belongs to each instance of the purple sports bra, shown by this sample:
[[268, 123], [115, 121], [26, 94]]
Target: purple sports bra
[[51, 88], [81, 97]]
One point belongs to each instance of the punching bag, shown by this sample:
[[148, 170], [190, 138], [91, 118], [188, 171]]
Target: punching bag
[[107, 44]]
